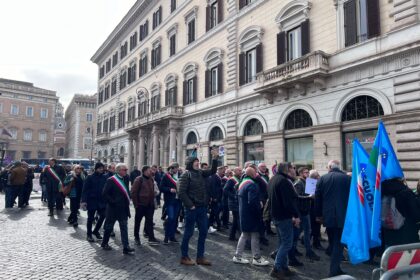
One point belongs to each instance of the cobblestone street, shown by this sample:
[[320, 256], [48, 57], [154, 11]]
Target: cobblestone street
[[34, 246]]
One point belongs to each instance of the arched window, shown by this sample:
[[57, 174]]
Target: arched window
[[253, 127], [298, 119], [99, 155], [112, 151], [60, 152], [191, 138], [362, 107], [216, 134]]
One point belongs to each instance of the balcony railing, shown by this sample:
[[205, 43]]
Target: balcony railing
[[303, 69], [101, 137], [155, 116]]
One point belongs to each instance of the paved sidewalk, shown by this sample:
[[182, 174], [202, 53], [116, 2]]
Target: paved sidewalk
[[34, 246]]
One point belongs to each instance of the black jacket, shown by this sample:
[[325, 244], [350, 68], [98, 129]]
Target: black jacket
[[304, 201], [117, 203], [92, 191], [50, 180], [231, 191], [216, 187], [133, 175], [331, 198], [166, 184], [192, 184], [282, 197]]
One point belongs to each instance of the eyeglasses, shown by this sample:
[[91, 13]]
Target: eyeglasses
[[123, 169]]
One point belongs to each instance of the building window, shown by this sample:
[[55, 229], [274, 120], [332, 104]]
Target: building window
[[171, 96], [60, 152], [294, 48], [133, 41], [29, 111], [108, 65], [142, 108], [156, 55], [132, 73], [101, 96], [144, 30], [123, 80], [14, 109], [105, 126], [213, 81], [87, 143], [89, 117], [124, 50], [121, 119], [253, 127], [98, 128], [42, 136], [26, 154], [300, 151], [172, 45], [115, 59], [191, 31], [251, 57], [114, 87], [27, 135], [189, 90], [13, 131], [362, 107], [157, 18], [298, 119], [191, 138], [254, 152], [106, 96], [131, 113], [155, 103], [214, 14], [366, 139], [143, 64], [216, 134], [44, 113], [102, 72], [244, 3], [111, 123], [173, 5]]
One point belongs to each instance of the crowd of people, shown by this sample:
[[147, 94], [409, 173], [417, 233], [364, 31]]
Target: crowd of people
[[246, 201]]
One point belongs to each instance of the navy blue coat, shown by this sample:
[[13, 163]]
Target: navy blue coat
[[249, 206], [165, 187], [231, 192], [117, 205], [92, 191], [216, 188]]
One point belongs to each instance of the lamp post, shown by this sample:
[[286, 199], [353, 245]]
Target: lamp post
[[91, 148], [3, 148]]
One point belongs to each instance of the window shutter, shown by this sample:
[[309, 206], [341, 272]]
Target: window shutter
[[153, 58], [166, 97], [242, 3], [141, 32], [129, 76], [259, 51], [208, 17], [195, 89], [220, 78], [160, 14], [373, 18], [145, 64], [306, 46], [154, 21], [158, 53], [350, 26], [207, 83], [175, 97], [152, 104], [242, 69], [158, 101], [185, 93], [281, 48], [220, 11], [146, 29]]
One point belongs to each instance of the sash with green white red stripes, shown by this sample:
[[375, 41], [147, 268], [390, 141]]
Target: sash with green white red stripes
[[55, 175], [121, 185], [245, 182], [171, 178]]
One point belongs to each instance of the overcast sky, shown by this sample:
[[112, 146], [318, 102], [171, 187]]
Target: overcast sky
[[50, 42]]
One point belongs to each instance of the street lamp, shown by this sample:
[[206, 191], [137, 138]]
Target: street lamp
[[3, 148]]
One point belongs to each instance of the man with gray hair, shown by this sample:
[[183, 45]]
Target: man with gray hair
[[331, 197]]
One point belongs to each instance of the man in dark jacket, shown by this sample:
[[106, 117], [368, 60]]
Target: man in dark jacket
[[216, 193], [54, 178], [134, 174], [195, 197], [143, 195], [28, 187], [17, 181], [231, 190], [117, 197], [284, 212], [92, 201], [172, 203], [331, 198]]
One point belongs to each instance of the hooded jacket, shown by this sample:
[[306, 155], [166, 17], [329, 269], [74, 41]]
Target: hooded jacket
[[191, 185]]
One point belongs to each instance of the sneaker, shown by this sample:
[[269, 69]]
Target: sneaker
[[166, 241], [260, 262], [187, 261], [240, 260], [212, 229], [137, 242], [90, 238], [128, 251], [106, 247], [153, 241], [173, 240], [97, 235], [273, 254], [180, 225], [203, 261]]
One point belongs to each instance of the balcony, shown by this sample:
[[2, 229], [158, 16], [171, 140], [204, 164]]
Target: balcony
[[102, 138], [162, 114], [311, 68]]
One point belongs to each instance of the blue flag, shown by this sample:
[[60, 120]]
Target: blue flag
[[357, 226], [384, 160]]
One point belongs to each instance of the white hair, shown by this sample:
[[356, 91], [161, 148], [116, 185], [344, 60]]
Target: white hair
[[119, 166], [313, 174], [333, 164]]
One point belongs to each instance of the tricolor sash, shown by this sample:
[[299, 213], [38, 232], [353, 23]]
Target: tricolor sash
[[245, 182], [121, 186], [263, 177], [171, 178], [55, 175]]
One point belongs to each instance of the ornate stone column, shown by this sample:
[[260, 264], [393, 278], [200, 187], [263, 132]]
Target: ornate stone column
[[130, 152], [155, 153], [141, 151], [180, 152]]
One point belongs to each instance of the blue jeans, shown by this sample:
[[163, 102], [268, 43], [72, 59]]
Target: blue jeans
[[305, 225], [285, 235], [172, 210], [199, 216]]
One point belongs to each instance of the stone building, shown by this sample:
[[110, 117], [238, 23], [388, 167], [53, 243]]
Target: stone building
[[268, 80], [28, 113], [80, 119]]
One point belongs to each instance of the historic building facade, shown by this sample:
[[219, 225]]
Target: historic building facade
[[80, 121], [266, 80], [29, 114]]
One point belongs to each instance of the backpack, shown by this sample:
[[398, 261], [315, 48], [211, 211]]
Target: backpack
[[391, 218]]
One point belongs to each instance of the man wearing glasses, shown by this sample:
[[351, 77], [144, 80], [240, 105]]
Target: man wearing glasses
[[117, 196]]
